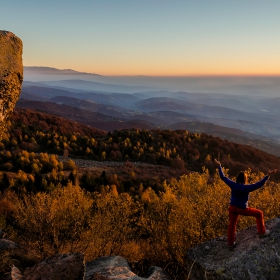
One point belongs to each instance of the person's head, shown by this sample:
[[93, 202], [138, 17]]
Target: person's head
[[241, 178]]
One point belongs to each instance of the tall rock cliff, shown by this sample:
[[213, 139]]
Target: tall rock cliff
[[11, 75]]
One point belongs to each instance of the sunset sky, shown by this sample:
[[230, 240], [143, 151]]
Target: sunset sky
[[148, 37]]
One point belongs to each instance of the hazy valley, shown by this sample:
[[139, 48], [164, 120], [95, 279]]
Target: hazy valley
[[247, 118]]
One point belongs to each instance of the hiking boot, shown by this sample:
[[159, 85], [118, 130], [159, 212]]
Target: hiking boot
[[231, 247], [265, 234]]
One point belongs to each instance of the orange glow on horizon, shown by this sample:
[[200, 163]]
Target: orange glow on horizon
[[179, 74], [182, 73], [154, 73]]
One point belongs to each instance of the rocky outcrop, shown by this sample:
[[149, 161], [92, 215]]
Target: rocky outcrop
[[117, 268], [11, 75], [7, 245], [72, 267], [253, 258], [58, 267]]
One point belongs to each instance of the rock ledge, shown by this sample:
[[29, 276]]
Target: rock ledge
[[253, 258]]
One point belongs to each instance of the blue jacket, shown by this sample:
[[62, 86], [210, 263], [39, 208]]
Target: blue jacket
[[240, 192]]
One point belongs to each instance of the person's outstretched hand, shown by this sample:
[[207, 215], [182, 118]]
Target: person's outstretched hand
[[217, 162], [270, 172]]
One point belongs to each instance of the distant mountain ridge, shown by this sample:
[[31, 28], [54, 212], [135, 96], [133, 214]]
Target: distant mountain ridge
[[111, 103], [52, 70], [239, 85], [79, 80], [94, 86], [252, 119], [117, 121]]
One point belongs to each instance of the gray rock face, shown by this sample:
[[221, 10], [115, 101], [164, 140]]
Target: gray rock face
[[72, 267], [253, 258], [58, 267], [117, 268], [11, 75], [6, 245]]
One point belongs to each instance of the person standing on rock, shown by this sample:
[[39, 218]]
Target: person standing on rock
[[239, 203]]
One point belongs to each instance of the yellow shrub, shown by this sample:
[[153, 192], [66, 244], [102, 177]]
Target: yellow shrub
[[53, 222], [112, 223], [158, 228]]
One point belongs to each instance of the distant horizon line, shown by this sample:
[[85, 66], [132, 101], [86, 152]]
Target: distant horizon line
[[142, 75]]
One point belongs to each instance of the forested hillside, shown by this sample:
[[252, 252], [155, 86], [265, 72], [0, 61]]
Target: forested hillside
[[40, 132], [115, 112]]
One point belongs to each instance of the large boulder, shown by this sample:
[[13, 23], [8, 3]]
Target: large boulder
[[117, 268], [11, 75], [58, 267], [253, 258]]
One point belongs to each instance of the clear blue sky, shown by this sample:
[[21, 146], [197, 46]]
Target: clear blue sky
[[148, 37]]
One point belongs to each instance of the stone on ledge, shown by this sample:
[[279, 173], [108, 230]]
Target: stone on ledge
[[58, 267], [117, 268]]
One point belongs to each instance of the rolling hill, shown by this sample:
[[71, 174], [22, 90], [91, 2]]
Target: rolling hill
[[114, 118], [38, 131], [104, 103]]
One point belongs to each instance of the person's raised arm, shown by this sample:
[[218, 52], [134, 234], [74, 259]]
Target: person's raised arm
[[221, 173], [229, 182], [257, 185]]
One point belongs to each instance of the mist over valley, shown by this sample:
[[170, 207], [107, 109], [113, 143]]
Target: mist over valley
[[240, 109]]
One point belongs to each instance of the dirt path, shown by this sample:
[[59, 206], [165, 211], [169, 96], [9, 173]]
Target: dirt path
[[87, 163]]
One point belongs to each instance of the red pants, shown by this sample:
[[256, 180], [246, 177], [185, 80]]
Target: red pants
[[234, 212]]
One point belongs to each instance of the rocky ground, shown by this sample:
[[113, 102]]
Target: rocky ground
[[86, 163], [253, 258], [74, 267]]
